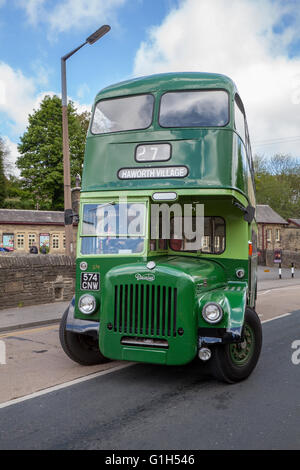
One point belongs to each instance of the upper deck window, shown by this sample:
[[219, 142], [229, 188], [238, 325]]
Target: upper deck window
[[123, 114], [197, 108], [239, 118]]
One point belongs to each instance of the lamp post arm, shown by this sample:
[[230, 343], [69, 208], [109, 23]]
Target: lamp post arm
[[66, 56], [64, 73]]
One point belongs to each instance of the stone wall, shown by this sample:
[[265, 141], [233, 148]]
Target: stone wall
[[35, 279], [291, 238], [288, 257]]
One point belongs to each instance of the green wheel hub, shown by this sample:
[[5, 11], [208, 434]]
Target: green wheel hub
[[241, 353]]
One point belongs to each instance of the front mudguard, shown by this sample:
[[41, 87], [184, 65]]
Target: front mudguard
[[76, 325], [233, 300]]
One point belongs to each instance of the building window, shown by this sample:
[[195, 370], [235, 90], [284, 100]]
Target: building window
[[31, 239], [269, 235], [55, 241], [8, 241], [277, 234], [64, 241], [20, 241]]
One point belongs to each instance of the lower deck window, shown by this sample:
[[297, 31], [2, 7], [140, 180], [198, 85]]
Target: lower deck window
[[113, 228], [113, 246], [212, 242]]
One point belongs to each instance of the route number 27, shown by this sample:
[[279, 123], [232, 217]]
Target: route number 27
[[153, 153]]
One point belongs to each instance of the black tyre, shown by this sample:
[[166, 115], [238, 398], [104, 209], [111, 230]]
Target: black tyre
[[81, 348], [234, 362]]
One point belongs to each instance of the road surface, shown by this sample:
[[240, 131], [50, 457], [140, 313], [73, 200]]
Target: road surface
[[140, 406]]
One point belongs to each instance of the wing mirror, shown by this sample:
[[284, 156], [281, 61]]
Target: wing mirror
[[248, 211], [71, 217]]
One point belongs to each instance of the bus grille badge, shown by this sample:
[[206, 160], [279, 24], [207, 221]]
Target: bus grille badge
[[151, 265]]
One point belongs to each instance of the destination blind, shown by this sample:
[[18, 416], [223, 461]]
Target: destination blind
[[153, 172]]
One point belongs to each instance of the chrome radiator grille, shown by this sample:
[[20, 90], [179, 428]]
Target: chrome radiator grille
[[145, 309]]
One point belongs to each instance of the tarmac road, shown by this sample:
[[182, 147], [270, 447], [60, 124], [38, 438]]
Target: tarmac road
[[156, 407], [49, 402], [35, 359]]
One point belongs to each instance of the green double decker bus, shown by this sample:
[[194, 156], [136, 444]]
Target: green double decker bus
[[166, 250]]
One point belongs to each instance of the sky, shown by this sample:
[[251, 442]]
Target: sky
[[255, 42]]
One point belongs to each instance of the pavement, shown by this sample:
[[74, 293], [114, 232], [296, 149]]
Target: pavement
[[36, 315]]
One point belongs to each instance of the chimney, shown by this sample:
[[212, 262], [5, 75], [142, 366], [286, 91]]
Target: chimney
[[75, 194]]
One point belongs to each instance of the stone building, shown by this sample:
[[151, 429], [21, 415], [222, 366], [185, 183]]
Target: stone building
[[295, 223], [271, 228], [20, 229], [277, 238], [291, 236]]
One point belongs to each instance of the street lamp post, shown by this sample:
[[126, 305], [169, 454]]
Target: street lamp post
[[66, 152]]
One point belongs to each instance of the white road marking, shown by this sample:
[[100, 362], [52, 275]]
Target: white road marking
[[264, 292], [276, 318], [64, 385], [91, 376], [278, 288], [286, 287]]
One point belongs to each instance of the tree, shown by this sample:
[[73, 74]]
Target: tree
[[41, 160], [278, 184], [83, 120], [3, 155], [16, 196]]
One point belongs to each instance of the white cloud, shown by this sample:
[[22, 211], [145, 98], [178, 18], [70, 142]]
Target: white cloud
[[34, 9], [69, 14], [235, 38], [41, 73], [82, 13], [81, 108], [10, 163], [83, 90], [17, 94], [19, 97]]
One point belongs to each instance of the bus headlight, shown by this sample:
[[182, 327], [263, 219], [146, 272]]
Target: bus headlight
[[87, 304], [212, 312]]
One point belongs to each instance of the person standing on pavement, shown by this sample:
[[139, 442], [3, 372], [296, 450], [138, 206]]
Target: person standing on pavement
[[44, 250], [33, 249]]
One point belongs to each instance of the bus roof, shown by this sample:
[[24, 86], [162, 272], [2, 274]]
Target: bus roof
[[168, 81]]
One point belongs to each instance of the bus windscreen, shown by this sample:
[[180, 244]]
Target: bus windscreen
[[196, 108], [123, 114]]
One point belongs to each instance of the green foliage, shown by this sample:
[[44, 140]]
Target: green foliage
[[3, 154], [16, 196], [278, 184], [44, 250], [41, 160]]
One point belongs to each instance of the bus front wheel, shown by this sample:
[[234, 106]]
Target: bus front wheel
[[81, 348], [232, 363]]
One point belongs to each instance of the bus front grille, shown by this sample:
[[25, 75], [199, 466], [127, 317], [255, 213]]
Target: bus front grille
[[145, 309]]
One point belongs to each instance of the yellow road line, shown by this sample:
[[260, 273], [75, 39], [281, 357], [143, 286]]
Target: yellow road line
[[32, 330]]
